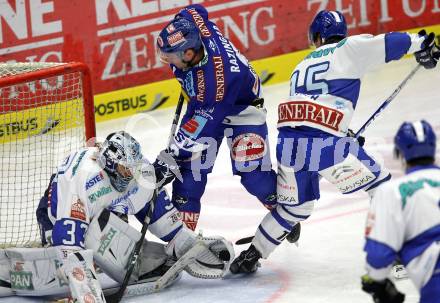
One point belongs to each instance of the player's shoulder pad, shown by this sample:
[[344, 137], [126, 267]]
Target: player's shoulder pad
[[70, 165], [356, 40], [388, 190]]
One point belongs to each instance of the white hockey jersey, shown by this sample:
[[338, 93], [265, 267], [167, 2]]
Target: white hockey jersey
[[404, 223], [324, 87], [81, 189]]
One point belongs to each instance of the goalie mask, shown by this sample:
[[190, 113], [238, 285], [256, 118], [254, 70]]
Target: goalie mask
[[120, 156]]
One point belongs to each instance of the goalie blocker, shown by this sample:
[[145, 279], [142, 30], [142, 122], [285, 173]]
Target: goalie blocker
[[40, 271]]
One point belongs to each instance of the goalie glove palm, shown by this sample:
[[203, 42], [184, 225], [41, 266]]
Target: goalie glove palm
[[212, 263]]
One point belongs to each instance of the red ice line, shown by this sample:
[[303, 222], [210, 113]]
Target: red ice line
[[284, 276]]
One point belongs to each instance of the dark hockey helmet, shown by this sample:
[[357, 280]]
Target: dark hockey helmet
[[120, 156], [179, 35], [415, 140], [328, 24]]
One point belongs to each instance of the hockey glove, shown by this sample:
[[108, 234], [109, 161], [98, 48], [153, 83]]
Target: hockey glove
[[430, 53], [360, 139], [166, 168], [383, 291]]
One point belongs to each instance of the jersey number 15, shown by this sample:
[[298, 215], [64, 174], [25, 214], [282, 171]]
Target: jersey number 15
[[310, 85]]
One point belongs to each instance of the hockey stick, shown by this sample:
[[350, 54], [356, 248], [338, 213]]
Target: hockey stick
[[176, 118], [169, 276], [387, 101], [116, 298], [292, 237], [247, 240]]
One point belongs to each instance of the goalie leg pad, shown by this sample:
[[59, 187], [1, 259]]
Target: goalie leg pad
[[5, 284], [112, 241], [82, 278], [33, 271], [212, 263], [153, 261]]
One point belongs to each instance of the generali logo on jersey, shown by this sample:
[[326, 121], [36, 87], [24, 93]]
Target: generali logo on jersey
[[219, 78], [305, 111], [200, 23], [200, 85]]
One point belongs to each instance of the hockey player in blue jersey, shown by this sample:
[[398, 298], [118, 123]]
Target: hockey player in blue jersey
[[313, 139], [224, 101], [404, 220]]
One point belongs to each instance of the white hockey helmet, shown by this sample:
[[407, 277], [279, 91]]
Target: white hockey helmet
[[120, 156]]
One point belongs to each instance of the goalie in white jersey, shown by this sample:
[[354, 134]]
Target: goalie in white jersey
[[404, 220], [313, 124], [83, 217]]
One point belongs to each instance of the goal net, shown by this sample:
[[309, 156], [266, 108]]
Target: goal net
[[46, 111]]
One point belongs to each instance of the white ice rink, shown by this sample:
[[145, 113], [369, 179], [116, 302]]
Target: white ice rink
[[327, 265]]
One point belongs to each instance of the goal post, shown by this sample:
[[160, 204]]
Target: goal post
[[46, 112]]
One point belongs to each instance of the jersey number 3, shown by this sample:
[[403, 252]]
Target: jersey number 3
[[73, 236]]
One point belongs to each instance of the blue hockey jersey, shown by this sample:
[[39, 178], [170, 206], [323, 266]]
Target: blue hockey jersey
[[222, 84]]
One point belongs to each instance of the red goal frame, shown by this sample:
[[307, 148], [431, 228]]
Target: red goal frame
[[62, 69]]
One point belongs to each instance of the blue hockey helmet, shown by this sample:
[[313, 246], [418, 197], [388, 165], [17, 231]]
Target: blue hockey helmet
[[415, 140], [328, 24], [179, 35], [120, 156]]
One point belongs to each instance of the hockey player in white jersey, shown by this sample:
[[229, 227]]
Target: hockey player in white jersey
[[404, 220], [313, 139], [83, 218]]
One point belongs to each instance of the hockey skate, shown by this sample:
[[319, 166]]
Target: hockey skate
[[294, 234], [247, 262]]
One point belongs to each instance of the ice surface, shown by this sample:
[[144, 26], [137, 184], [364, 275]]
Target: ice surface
[[327, 265]]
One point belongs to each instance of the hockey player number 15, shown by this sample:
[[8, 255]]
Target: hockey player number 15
[[309, 84]]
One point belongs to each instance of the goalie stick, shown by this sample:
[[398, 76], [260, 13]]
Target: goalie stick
[[393, 95], [115, 298], [170, 275]]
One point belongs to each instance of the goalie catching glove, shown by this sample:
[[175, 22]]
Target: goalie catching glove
[[212, 263]]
